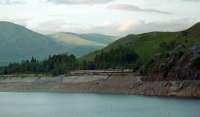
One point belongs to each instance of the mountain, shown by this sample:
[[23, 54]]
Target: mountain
[[81, 44], [148, 44], [18, 42]]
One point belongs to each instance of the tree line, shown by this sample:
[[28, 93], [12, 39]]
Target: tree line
[[55, 65], [118, 58]]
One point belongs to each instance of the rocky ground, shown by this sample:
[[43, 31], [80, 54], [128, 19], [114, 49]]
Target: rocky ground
[[126, 84]]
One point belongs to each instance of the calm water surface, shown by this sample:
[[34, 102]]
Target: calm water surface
[[94, 105]]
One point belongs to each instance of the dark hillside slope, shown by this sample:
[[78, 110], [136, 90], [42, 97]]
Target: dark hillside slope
[[179, 64]]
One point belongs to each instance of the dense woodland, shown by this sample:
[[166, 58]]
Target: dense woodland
[[118, 58]]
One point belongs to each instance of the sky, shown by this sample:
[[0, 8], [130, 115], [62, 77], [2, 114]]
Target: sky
[[112, 17]]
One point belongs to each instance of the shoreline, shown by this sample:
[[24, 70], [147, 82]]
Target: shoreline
[[128, 84], [96, 93]]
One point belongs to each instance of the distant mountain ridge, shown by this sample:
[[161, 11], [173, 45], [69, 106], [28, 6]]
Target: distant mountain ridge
[[99, 38], [81, 44], [73, 39], [94, 37], [18, 43]]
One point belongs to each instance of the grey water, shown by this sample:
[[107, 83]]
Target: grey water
[[94, 105]]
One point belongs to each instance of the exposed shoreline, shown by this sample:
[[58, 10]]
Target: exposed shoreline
[[105, 84]]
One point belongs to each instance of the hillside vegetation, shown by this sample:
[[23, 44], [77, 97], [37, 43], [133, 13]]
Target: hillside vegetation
[[148, 44], [155, 55]]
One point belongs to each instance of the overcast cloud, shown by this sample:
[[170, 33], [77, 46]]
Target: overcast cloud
[[192, 0], [127, 7], [115, 17], [8, 2], [80, 1]]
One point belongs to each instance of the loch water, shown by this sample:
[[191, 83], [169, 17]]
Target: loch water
[[94, 105]]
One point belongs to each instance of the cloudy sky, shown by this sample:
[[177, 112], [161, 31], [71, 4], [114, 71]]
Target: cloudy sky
[[114, 17]]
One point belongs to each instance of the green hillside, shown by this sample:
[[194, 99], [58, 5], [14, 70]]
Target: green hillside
[[148, 44], [18, 42]]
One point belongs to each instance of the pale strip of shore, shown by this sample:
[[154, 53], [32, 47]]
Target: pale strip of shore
[[126, 83]]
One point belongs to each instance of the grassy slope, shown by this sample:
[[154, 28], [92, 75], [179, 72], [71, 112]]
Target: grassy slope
[[98, 38], [148, 44], [81, 44], [73, 39]]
